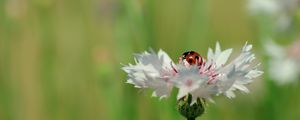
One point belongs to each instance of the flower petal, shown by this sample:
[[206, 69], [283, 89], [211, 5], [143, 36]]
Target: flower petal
[[223, 57], [219, 57], [151, 71], [238, 73]]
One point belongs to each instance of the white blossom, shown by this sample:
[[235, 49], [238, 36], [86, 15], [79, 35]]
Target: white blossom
[[280, 10], [284, 62], [204, 79]]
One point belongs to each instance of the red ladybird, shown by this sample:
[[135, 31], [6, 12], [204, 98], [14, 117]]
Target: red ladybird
[[192, 58]]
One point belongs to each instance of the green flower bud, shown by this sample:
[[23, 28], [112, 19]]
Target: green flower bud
[[188, 109]]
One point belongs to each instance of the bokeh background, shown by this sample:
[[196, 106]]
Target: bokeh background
[[61, 59]]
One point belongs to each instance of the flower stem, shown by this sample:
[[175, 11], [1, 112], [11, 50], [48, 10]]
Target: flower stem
[[190, 118]]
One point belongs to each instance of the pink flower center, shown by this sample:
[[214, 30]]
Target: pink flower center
[[189, 83]]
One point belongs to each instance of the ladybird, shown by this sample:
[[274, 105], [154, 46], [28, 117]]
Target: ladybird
[[192, 58]]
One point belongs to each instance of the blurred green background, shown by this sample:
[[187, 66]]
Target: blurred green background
[[60, 59]]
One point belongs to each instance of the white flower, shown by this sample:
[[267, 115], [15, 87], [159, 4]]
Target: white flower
[[272, 7], [263, 6], [280, 10], [200, 78], [284, 62]]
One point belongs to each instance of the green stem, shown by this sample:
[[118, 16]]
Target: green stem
[[191, 119]]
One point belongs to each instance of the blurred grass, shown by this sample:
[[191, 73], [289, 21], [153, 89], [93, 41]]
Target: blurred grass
[[60, 60]]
